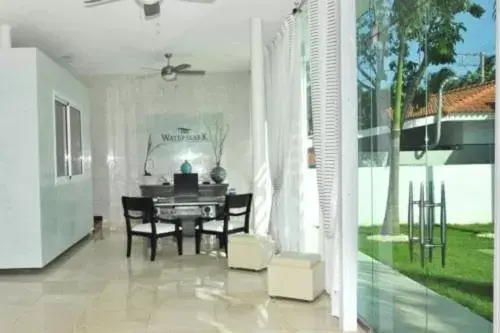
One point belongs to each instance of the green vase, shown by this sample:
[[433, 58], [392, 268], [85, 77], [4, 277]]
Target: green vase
[[218, 174], [186, 167]]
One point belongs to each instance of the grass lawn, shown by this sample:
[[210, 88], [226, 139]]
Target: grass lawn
[[467, 277]]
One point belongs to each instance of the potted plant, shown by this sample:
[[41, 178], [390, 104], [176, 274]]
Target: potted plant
[[150, 149]]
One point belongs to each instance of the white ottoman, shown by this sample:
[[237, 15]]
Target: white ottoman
[[250, 252], [296, 275]]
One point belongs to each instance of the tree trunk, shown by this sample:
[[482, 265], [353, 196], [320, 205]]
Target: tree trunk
[[391, 219]]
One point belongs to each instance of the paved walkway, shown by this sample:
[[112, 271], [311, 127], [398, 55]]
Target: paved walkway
[[393, 303]]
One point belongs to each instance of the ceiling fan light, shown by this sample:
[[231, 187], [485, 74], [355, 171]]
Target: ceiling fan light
[[169, 77], [148, 2]]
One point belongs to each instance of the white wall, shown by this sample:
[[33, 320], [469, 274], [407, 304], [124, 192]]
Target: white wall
[[20, 241], [66, 209], [40, 220], [120, 109], [468, 192]]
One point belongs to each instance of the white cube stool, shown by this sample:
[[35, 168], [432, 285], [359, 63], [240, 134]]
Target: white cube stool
[[250, 252], [296, 275]]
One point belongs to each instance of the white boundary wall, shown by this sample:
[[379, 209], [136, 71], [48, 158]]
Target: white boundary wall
[[469, 191]]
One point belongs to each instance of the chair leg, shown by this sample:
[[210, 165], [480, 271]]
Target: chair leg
[[224, 237], [129, 245], [153, 248], [221, 241], [197, 235], [179, 237]]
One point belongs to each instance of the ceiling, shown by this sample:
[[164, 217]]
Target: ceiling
[[116, 39]]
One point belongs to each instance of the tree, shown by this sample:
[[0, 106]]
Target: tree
[[432, 26], [373, 49], [468, 79]]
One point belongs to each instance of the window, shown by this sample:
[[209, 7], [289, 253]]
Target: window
[[75, 121], [61, 139], [68, 137]]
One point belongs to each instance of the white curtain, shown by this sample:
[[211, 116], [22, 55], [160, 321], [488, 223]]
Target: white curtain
[[283, 118], [325, 90]]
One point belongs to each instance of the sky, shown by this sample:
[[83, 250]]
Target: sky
[[480, 37]]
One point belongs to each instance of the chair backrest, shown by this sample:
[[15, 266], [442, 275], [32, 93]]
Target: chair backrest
[[238, 205], [142, 205]]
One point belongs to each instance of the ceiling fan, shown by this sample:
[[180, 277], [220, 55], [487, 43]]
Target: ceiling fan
[[169, 72], [151, 7]]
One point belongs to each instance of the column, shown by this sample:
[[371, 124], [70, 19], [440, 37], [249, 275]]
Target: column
[[260, 180], [5, 38], [349, 167]]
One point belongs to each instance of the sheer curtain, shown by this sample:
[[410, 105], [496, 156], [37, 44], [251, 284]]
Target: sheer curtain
[[283, 117]]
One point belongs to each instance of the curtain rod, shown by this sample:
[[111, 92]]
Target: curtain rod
[[298, 6]]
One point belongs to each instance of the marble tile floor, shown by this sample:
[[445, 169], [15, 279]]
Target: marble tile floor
[[94, 288]]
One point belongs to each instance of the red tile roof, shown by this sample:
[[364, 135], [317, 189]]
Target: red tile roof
[[478, 98]]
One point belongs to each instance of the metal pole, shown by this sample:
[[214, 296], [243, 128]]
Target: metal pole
[[443, 226], [410, 221], [421, 221], [482, 65], [440, 112], [430, 218]]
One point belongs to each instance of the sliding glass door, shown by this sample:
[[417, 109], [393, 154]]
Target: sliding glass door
[[389, 238], [426, 111]]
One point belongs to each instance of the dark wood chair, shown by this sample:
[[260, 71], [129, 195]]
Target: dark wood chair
[[150, 226], [234, 218]]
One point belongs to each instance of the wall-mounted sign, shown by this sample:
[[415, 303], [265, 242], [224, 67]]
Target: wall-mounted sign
[[174, 138], [184, 134]]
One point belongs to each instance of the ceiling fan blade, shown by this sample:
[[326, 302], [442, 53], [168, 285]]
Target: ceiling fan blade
[[91, 3], [191, 73], [181, 67]]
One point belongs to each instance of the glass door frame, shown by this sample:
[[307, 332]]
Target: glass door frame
[[496, 191]]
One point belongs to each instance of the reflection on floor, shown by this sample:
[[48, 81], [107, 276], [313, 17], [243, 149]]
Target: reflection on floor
[[393, 303], [95, 289]]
